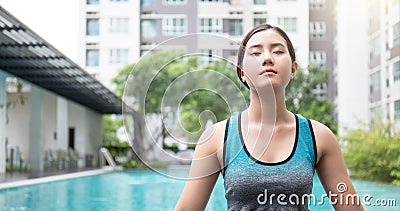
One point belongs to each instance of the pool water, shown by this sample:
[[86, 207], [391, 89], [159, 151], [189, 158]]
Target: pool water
[[143, 190]]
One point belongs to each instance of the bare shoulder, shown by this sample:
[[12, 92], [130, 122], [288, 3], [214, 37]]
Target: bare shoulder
[[211, 140], [208, 152], [321, 129], [324, 138]]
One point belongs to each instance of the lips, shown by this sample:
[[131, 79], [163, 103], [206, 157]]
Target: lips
[[268, 70]]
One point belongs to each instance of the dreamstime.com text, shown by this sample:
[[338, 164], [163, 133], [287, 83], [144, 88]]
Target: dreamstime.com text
[[333, 198]]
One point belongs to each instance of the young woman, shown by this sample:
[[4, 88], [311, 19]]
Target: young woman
[[266, 154]]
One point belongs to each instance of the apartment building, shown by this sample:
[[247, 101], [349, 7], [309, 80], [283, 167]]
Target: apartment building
[[322, 28], [384, 60], [230, 19], [110, 34], [111, 39], [330, 33]]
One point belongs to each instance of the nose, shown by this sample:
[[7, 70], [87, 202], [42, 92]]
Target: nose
[[267, 60]]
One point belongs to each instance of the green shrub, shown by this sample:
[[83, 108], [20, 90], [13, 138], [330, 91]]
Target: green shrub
[[130, 164], [373, 154]]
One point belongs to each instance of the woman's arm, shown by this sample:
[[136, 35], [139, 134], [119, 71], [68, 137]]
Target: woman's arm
[[204, 170], [332, 170]]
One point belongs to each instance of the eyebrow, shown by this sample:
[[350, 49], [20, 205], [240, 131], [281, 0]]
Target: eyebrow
[[278, 44]]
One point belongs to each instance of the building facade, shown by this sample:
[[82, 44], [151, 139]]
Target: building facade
[[109, 38], [322, 27], [353, 44], [384, 60], [165, 19]]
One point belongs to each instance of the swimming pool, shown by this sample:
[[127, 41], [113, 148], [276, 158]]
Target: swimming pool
[[141, 190]]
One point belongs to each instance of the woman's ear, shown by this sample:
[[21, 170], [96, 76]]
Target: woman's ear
[[295, 65], [243, 77]]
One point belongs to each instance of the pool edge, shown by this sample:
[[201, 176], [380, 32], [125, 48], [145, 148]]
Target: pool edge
[[54, 178]]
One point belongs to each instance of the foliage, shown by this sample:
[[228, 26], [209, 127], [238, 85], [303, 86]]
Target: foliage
[[130, 164], [173, 147], [373, 154], [138, 76], [169, 67], [111, 126], [301, 99], [19, 99], [219, 104]]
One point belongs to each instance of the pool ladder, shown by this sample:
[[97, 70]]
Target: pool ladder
[[104, 151]]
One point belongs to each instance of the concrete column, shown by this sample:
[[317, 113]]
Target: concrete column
[[36, 131], [62, 123], [3, 110]]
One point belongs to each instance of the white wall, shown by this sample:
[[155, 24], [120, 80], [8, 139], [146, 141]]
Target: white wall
[[17, 129], [88, 130], [94, 128], [87, 124], [50, 122]]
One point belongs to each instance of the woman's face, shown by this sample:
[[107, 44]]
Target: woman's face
[[267, 62]]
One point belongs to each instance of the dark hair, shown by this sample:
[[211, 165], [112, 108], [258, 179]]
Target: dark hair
[[242, 48]]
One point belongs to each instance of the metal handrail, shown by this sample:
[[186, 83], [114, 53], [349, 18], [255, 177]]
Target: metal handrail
[[104, 151]]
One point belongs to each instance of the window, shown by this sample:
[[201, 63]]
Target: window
[[118, 56], [397, 109], [262, 2], [92, 1], [396, 34], [92, 58], [174, 2], [174, 26], [396, 71], [235, 27], [317, 30], [318, 57], [288, 24], [259, 21], [211, 25], [375, 82], [119, 25], [92, 27], [149, 28], [374, 47], [149, 3], [317, 4]]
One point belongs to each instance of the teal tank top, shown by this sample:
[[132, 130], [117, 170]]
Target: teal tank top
[[251, 184]]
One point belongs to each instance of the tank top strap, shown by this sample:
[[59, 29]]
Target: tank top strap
[[307, 144], [232, 143]]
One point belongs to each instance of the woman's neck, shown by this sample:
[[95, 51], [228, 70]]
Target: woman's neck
[[268, 107]]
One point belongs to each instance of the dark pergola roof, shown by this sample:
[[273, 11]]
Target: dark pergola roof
[[26, 55]]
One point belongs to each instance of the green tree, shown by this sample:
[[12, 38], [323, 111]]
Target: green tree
[[132, 81], [300, 96], [373, 154], [161, 70], [111, 125], [220, 103]]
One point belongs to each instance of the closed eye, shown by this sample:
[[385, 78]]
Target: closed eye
[[255, 53], [278, 52]]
